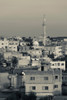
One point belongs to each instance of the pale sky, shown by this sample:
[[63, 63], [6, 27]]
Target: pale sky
[[25, 17]]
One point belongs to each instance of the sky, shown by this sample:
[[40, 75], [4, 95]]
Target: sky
[[25, 17]]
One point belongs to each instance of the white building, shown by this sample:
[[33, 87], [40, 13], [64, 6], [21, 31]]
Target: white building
[[22, 43], [57, 64], [24, 61], [35, 43], [35, 62], [65, 39], [35, 52], [8, 55], [58, 51], [3, 43], [49, 49], [16, 54], [13, 45]]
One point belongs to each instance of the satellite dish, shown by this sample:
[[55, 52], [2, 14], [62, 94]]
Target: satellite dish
[[23, 73]]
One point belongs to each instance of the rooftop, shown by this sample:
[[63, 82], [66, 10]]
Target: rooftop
[[34, 71]]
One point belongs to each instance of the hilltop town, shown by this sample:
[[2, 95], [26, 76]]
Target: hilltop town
[[36, 64]]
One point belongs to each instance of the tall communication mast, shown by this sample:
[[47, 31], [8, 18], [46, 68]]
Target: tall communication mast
[[44, 30]]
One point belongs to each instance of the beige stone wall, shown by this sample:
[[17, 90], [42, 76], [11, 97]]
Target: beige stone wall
[[39, 87], [57, 90], [39, 82], [40, 91], [40, 78]]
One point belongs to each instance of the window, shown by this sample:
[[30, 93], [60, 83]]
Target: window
[[45, 88], [55, 86], [42, 68], [62, 64], [32, 78], [45, 78], [52, 64], [33, 88], [56, 77], [47, 64], [58, 64]]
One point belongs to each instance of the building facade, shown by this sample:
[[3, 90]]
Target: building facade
[[3, 43], [57, 65], [13, 45], [43, 82]]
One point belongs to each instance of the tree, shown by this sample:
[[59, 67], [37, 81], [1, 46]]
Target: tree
[[32, 96], [20, 96], [14, 96], [46, 98], [14, 62], [1, 59]]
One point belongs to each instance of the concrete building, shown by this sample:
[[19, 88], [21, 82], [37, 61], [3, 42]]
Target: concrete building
[[35, 52], [35, 62], [24, 61], [64, 83], [3, 43], [49, 49], [65, 48], [35, 44], [8, 55], [13, 45], [58, 51], [64, 78], [22, 43], [43, 82], [24, 48], [16, 54], [57, 65]]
